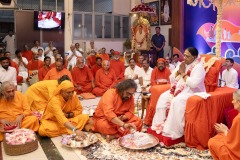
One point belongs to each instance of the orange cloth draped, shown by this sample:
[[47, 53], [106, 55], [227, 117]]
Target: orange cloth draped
[[91, 61], [104, 56], [104, 81], [42, 73], [82, 77], [9, 110], [53, 119], [54, 65], [139, 65], [95, 68], [156, 92], [157, 74], [201, 115], [119, 69], [34, 65], [27, 55], [111, 106], [53, 74], [227, 147], [15, 65], [38, 94]]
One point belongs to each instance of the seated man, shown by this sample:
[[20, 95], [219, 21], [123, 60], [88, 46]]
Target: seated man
[[131, 72], [63, 114], [7, 73], [225, 145], [230, 75], [91, 59], [97, 66], [140, 61], [44, 70], [186, 80], [82, 77], [104, 79], [59, 70], [168, 64], [39, 93], [72, 56], [22, 63], [114, 115], [144, 76], [118, 66], [160, 73], [14, 110], [103, 54]]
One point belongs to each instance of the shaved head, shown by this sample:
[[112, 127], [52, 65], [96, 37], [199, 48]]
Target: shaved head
[[105, 65]]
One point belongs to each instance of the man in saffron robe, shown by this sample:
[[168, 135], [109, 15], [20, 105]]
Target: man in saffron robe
[[104, 79], [44, 70], [97, 66], [114, 115], [39, 93], [225, 145], [118, 66], [26, 52], [161, 73], [91, 59], [186, 80], [58, 71], [82, 77], [14, 110], [103, 54], [57, 56], [63, 114]]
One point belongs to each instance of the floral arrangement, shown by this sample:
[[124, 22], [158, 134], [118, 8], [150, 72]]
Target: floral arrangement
[[20, 136]]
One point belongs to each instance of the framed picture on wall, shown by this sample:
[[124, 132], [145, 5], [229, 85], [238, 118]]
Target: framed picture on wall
[[166, 12], [154, 18]]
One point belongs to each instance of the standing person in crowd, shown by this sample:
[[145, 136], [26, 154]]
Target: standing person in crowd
[[72, 56], [230, 75], [176, 61], [44, 70], [187, 79], [10, 42], [225, 145], [22, 63], [26, 52], [82, 77], [114, 115], [49, 49], [158, 43], [14, 110]]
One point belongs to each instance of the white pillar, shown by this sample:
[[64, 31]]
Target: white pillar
[[68, 31]]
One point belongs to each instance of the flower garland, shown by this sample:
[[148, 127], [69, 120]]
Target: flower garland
[[173, 93]]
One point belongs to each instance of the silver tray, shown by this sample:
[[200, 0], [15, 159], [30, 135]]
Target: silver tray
[[128, 138]]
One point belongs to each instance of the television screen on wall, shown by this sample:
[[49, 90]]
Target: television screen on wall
[[48, 20]]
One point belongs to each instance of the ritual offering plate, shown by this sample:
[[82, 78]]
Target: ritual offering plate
[[138, 141], [74, 141], [162, 81], [7, 129]]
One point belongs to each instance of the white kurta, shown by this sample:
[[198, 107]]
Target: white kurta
[[8, 75], [10, 44], [73, 61], [146, 76], [175, 122], [230, 78], [171, 68], [35, 49], [176, 64], [131, 73], [50, 53], [23, 71]]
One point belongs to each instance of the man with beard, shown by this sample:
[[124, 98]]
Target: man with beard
[[82, 77], [7, 73], [58, 71], [105, 78], [14, 110], [160, 74], [114, 115], [187, 79]]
